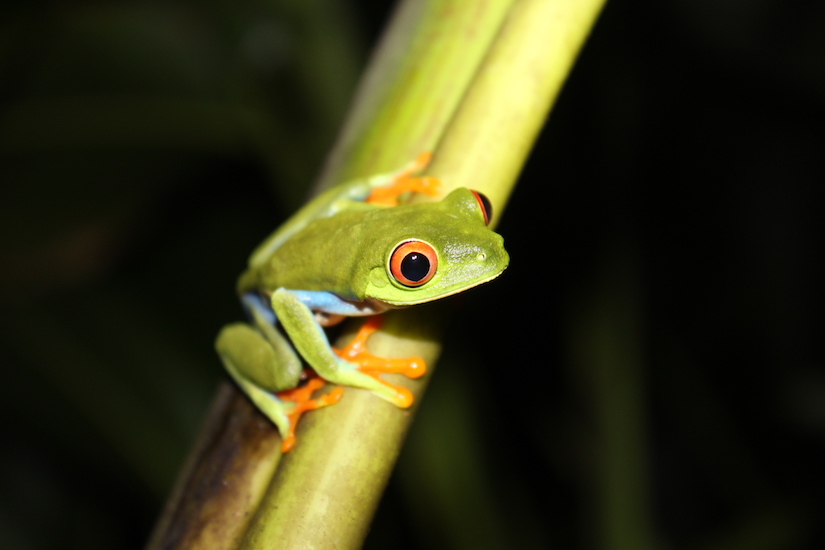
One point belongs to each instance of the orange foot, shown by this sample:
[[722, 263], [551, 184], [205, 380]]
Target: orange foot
[[403, 181], [301, 397], [356, 352]]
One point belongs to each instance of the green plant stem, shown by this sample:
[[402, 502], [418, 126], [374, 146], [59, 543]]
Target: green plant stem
[[471, 82], [322, 490]]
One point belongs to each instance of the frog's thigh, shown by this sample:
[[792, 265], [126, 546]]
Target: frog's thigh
[[260, 358], [254, 365]]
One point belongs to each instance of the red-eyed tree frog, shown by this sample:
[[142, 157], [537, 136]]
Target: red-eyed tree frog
[[349, 253]]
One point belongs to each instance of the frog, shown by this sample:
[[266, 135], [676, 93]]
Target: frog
[[356, 250]]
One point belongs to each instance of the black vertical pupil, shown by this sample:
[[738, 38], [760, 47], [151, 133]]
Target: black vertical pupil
[[415, 266]]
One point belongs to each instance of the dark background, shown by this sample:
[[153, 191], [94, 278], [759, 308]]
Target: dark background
[[647, 374]]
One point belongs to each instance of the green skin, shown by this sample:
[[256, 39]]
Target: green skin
[[331, 260]]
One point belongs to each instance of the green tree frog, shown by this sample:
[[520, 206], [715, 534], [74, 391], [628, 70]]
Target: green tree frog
[[350, 253]]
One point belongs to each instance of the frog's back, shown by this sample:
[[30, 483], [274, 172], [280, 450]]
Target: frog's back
[[324, 255], [324, 205]]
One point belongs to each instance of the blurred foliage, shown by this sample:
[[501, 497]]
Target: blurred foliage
[[660, 385]]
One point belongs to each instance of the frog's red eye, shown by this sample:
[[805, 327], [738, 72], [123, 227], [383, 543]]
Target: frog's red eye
[[485, 205], [413, 263]]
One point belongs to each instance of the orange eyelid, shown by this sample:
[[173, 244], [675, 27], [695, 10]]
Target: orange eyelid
[[402, 252]]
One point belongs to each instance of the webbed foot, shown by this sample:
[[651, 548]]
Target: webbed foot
[[403, 182], [301, 397], [371, 365]]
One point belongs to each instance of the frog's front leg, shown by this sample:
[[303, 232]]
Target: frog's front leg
[[360, 369]]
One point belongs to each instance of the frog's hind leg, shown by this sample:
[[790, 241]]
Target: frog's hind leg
[[265, 366], [250, 359], [251, 362]]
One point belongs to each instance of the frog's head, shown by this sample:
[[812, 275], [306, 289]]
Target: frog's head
[[433, 250]]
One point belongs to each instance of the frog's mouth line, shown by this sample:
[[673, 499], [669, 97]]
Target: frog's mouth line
[[400, 304]]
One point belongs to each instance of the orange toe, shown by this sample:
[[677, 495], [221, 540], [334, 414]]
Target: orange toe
[[372, 365], [302, 398], [404, 182]]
